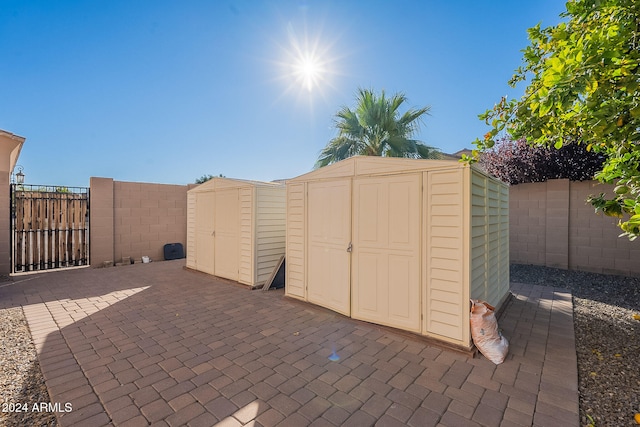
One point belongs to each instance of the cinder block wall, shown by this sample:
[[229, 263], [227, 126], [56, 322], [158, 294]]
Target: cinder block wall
[[100, 220], [527, 223], [595, 245], [144, 217], [551, 224]]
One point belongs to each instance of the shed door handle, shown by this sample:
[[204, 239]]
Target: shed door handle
[[350, 247], [213, 233]]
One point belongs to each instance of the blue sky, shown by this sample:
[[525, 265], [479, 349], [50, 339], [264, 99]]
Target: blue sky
[[166, 91]]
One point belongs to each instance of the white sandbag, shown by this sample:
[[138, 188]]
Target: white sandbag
[[485, 333]]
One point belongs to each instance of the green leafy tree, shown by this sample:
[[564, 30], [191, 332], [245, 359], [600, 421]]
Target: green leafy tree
[[376, 128], [584, 86]]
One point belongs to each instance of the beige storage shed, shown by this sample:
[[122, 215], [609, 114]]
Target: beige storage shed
[[399, 242], [236, 229]]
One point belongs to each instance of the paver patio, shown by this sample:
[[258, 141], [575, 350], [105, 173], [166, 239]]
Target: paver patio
[[158, 344]]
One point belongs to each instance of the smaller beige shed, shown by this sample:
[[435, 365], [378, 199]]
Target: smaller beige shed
[[236, 229], [399, 242]]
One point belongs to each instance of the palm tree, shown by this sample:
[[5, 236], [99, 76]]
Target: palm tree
[[375, 128]]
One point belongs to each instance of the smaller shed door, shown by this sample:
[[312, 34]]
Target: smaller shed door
[[227, 233], [329, 231], [386, 248], [205, 241]]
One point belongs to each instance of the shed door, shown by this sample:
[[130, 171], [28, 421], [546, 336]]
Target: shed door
[[329, 231], [227, 233], [204, 256], [386, 248]]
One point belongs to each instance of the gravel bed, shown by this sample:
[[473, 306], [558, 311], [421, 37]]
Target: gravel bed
[[607, 340], [21, 381], [607, 345]]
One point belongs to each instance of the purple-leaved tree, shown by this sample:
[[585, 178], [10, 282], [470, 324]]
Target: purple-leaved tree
[[517, 162]]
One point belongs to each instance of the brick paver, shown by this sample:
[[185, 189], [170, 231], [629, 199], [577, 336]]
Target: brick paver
[[155, 343]]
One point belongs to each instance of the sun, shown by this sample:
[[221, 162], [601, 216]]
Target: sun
[[307, 59], [307, 63], [309, 71]]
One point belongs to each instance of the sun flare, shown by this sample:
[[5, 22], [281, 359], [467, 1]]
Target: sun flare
[[308, 71], [307, 63]]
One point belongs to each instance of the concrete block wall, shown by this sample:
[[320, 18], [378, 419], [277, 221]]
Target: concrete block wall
[[551, 224], [527, 224], [595, 242], [100, 220], [557, 224], [131, 219]]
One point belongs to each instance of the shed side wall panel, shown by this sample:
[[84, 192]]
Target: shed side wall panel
[[295, 236], [246, 272], [479, 237], [504, 240], [444, 306], [493, 285], [270, 220], [489, 238], [191, 230]]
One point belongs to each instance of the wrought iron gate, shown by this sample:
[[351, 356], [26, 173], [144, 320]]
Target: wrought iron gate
[[49, 227]]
